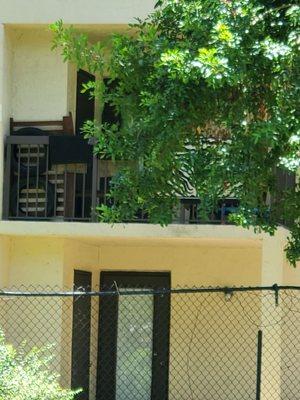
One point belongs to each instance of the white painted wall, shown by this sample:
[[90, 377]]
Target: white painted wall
[[73, 11], [39, 84]]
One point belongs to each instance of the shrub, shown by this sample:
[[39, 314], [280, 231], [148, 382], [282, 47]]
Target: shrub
[[27, 375]]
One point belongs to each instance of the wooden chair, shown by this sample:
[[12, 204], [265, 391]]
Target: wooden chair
[[65, 125]]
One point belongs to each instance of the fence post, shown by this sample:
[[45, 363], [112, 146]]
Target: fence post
[[259, 364]]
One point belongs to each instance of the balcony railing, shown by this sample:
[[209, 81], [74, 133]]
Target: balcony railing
[[48, 178], [57, 177]]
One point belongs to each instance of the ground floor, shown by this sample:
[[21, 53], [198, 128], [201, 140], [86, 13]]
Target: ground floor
[[145, 341], [47, 253]]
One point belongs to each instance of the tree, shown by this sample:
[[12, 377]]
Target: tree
[[209, 88]]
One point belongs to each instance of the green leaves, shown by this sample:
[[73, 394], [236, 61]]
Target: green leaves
[[292, 248], [77, 49], [223, 32], [210, 95], [27, 375], [212, 67]]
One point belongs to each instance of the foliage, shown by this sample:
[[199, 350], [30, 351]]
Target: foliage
[[27, 376], [211, 90]]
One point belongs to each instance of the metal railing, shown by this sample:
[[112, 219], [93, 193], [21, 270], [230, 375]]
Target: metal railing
[[38, 187], [43, 182], [200, 343]]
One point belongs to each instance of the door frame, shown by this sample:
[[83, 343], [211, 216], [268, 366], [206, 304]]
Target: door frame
[[108, 331], [81, 335]]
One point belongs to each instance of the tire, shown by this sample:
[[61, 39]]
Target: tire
[[16, 208], [24, 168]]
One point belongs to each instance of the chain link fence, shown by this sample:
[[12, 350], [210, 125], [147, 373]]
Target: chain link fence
[[141, 344]]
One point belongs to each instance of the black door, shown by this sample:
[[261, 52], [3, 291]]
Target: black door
[[133, 351], [85, 106], [81, 334]]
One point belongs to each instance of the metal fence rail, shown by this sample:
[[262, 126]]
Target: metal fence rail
[[184, 343]]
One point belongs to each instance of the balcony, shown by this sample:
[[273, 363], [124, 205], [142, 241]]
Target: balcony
[[52, 175]]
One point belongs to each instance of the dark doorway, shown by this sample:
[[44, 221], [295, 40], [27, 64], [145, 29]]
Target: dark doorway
[[81, 333], [85, 106], [109, 113], [133, 351]]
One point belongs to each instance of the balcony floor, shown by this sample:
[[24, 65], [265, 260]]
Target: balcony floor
[[101, 231]]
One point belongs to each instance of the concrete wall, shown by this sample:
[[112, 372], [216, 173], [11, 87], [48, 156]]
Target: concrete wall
[[35, 83], [202, 259], [36, 262], [5, 78], [191, 262], [5, 95], [39, 84], [50, 261], [29, 265], [74, 11], [5, 243]]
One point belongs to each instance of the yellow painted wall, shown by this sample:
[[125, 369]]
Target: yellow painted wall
[[5, 79], [208, 319], [34, 264], [290, 365], [36, 261], [291, 275], [192, 262], [35, 83], [39, 85], [5, 96], [4, 261]]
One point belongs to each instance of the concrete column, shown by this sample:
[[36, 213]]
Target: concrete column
[[272, 259], [4, 261], [5, 97], [272, 272], [2, 36]]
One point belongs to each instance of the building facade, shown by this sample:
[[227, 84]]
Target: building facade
[[43, 247]]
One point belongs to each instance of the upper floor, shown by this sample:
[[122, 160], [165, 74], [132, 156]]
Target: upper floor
[[50, 172]]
